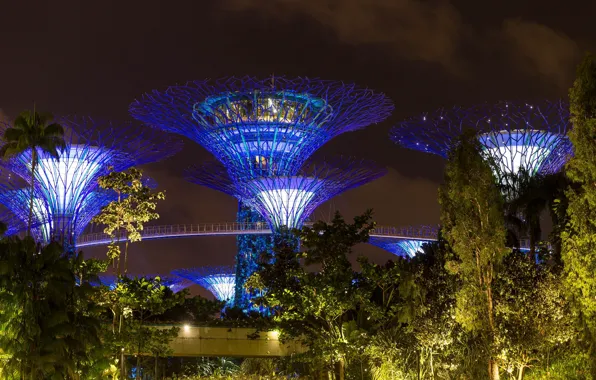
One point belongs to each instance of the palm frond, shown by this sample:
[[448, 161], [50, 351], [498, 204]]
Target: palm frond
[[54, 129]]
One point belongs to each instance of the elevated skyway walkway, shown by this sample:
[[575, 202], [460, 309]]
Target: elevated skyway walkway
[[222, 229], [231, 342], [259, 228]]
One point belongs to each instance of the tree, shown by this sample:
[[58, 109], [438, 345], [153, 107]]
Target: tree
[[316, 307], [141, 299], [32, 131], [50, 325], [434, 326], [86, 349], [578, 250], [531, 312], [527, 196], [409, 321], [473, 225], [135, 205]]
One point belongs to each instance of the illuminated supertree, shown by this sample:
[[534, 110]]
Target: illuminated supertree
[[66, 194], [532, 136], [257, 126], [399, 247], [260, 127], [220, 281], [286, 201]]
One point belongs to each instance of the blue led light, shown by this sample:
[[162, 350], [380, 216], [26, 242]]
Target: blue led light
[[262, 127], [66, 191], [514, 135], [286, 201], [403, 248], [220, 281]]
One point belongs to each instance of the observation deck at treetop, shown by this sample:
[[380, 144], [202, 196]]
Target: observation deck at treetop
[[259, 228]]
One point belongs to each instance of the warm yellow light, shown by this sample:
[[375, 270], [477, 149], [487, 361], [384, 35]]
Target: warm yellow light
[[186, 328]]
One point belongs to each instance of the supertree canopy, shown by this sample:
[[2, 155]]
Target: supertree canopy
[[259, 127], [532, 136], [66, 190], [44, 223], [399, 247], [220, 281], [286, 201]]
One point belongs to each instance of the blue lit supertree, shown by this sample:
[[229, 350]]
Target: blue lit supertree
[[399, 247], [66, 194], [261, 127], [286, 201], [220, 281], [256, 126], [532, 136]]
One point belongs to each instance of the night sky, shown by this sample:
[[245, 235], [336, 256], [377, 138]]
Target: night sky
[[95, 57]]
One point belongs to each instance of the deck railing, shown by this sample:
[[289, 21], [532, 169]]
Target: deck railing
[[207, 229], [210, 229]]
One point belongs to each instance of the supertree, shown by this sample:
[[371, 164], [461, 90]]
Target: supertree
[[399, 247], [220, 280], [66, 194], [256, 126], [514, 135], [286, 201], [260, 127]]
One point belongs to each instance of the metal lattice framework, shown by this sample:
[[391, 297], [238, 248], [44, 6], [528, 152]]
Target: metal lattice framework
[[289, 200], [532, 136], [400, 247], [15, 200], [258, 127], [18, 200], [220, 280], [67, 194]]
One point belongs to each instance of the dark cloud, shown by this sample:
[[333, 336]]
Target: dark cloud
[[420, 31], [431, 32], [541, 50]]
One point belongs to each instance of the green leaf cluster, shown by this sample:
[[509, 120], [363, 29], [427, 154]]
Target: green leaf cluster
[[125, 217]]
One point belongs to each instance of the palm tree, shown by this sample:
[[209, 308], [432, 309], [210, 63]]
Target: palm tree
[[527, 196], [32, 131]]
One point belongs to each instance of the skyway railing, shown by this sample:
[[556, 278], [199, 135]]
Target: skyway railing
[[259, 228]]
